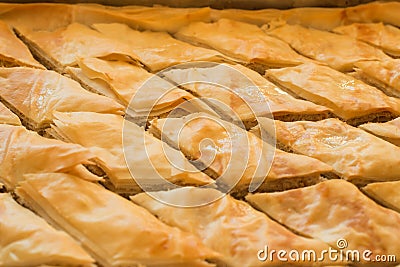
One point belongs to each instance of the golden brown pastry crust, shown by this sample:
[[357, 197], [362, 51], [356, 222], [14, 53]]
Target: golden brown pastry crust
[[376, 11], [156, 18], [349, 98], [389, 131], [248, 94], [386, 193], [13, 52], [23, 151], [98, 218], [37, 16], [144, 93], [53, 16], [103, 135], [35, 94], [338, 51], [158, 50], [354, 154], [334, 210], [383, 74], [244, 42], [62, 47], [27, 240], [7, 117], [236, 154], [386, 37], [314, 17], [229, 226]]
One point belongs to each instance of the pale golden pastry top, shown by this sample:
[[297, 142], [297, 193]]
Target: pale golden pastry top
[[257, 17], [386, 192], [114, 230], [346, 96], [146, 155], [75, 41], [143, 92], [37, 16], [334, 210], [229, 226], [235, 154], [242, 41], [386, 37], [162, 18], [338, 51], [386, 72], [377, 11], [28, 240], [53, 16], [158, 50], [243, 90], [389, 131], [352, 152], [38, 93], [24, 151], [314, 17], [6, 116], [13, 50]]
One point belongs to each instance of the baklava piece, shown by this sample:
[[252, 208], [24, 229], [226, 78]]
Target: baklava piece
[[354, 154], [385, 37], [35, 94], [340, 52], [158, 50], [376, 11], [8, 117], [314, 17], [244, 42], [24, 151], [350, 99], [338, 213], [236, 157], [389, 131], [229, 226], [386, 193], [144, 94], [131, 158], [382, 74], [13, 51], [62, 47], [29, 241], [112, 229], [240, 93]]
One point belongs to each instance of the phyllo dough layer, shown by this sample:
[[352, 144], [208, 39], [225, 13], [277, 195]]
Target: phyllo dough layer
[[389, 131], [145, 95], [350, 99], [244, 42], [130, 157], [35, 94], [159, 50], [338, 51], [236, 156], [229, 226], [333, 211], [382, 74], [115, 231], [28, 240], [23, 151], [244, 93], [354, 154]]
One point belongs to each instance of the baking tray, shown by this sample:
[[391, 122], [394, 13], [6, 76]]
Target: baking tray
[[242, 4]]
